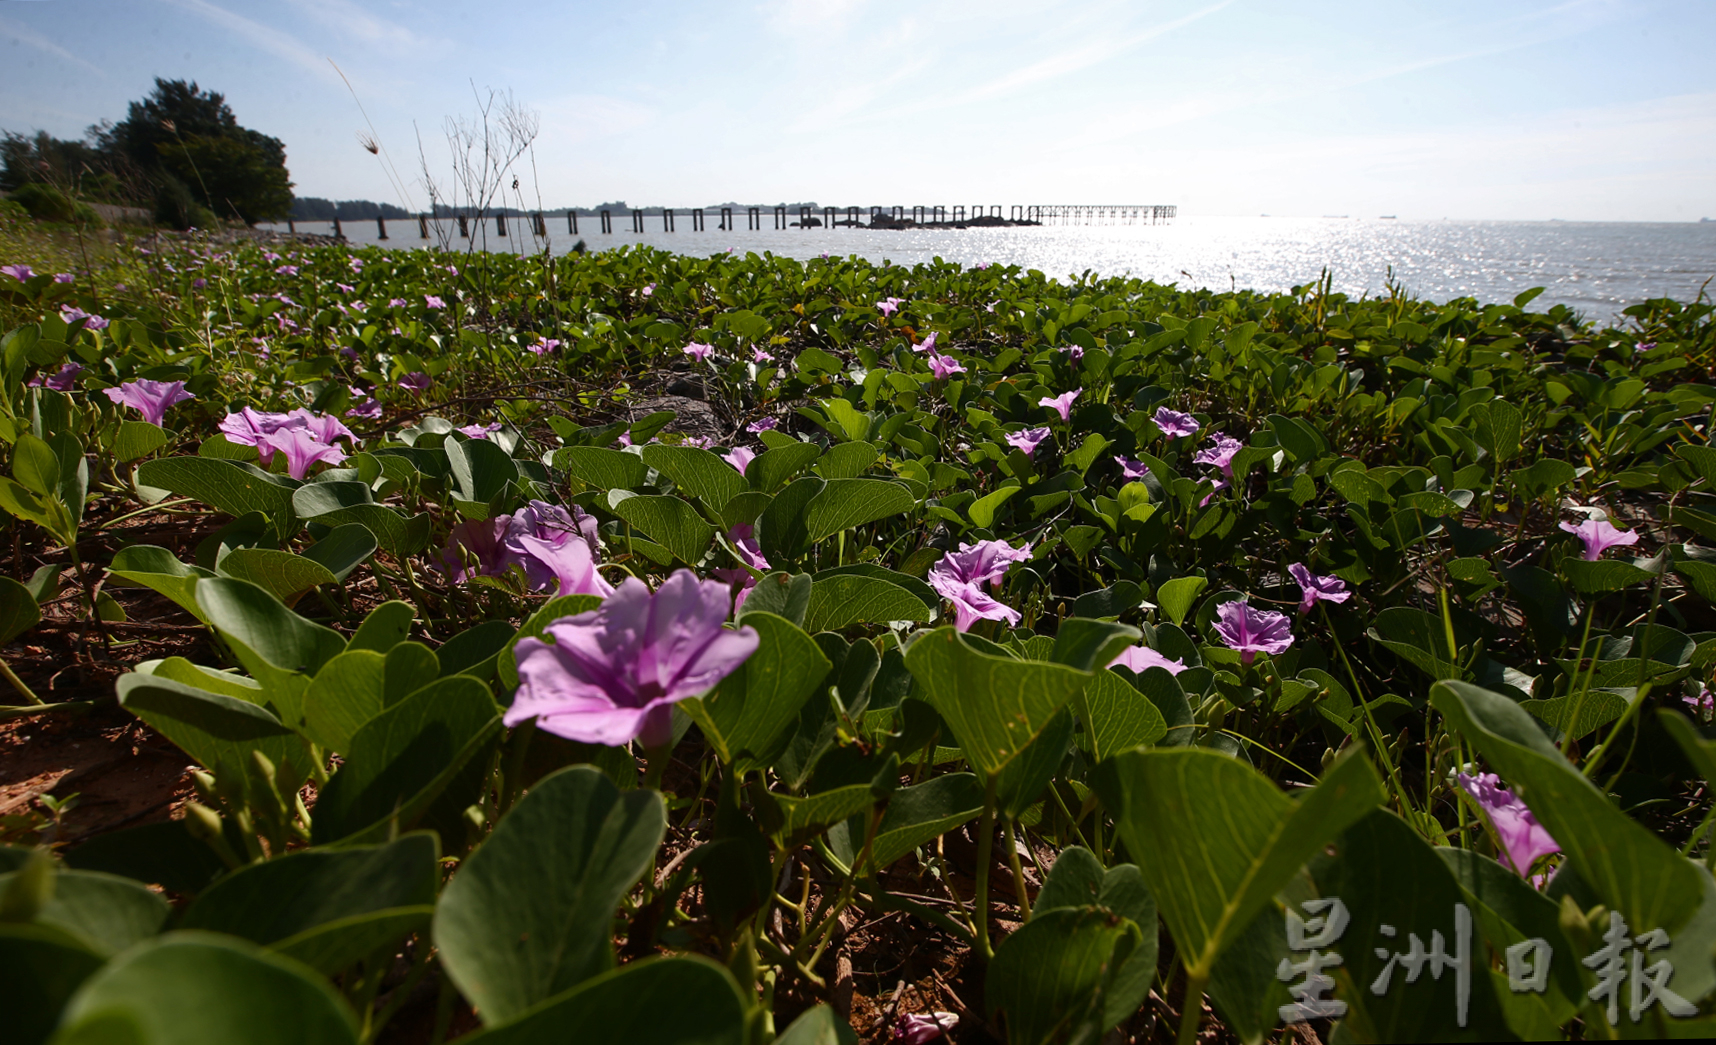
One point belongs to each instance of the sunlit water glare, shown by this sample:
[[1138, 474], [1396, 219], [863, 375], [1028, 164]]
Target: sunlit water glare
[[1597, 268]]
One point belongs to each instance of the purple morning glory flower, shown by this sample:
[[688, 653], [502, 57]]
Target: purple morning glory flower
[[890, 305], [649, 291], [1315, 588], [287, 270], [1028, 440], [19, 272], [345, 288], [356, 264], [1220, 453], [364, 407], [1252, 631], [1076, 352], [431, 301], [1062, 404], [1139, 657], [248, 426], [740, 457], [744, 538], [64, 277], [302, 449], [767, 424], [699, 351], [1130, 469], [1174, 424], [1598, 534], [70, 314], [944, 367], [612, 675], [481, 431], [959, 577], [64, 379], [921, 1028], [1700, 700], [416, 381], [554, 547], [545, 346], [1644, 346], [701, 442], [152, 399], [927, 345], [759, 356], [397, 302], [1523, 838]]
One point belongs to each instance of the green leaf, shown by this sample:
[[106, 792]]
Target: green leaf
[[18, 610], [1629, 868], [410, 667], [802, 817], [232, 487], [1051, 979], [1700, 752], [1121, 718], [1091, 645], [343, 550], [403, 758], [1386, 874], [996, 705], [226, 683], [920, 814], [1022, 782], [1542, 478], [750, 716], [697, 472], [1078, 879], [36, 466], [475, 650], [1603, 575], [280, 649], [982, 510], [657, 1001], [341, 504], [102, 912], [818, 1026], [218, 731], [1177, 596], [348, 692], [842, 600], [40, 969], [548, 613], [386, 627], [926, 594], [480, 469], [845, 503], [602, 468], [581, 844], [1216, 840], [771, 468], [784, 595], [281, 574], [781, 529], [195, 988], [671, 521], [293, 895], [162, 853], [160, 569], [847, 460], [138, 439], [1499, 428]]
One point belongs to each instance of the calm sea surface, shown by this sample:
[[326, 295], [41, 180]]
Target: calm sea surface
[[1597, 268]]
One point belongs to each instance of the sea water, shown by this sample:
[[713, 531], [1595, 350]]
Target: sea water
[[1597, 268]]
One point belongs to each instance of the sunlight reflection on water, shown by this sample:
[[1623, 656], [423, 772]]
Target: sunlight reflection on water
[[1597, 268]]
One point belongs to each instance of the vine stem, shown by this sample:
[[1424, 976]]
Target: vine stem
[[985, 847], [1019, 897], [1192, 1007]]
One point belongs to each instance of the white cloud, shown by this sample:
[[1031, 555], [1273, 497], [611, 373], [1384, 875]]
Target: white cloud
[[275, 41], [26, 35], [797, 15]]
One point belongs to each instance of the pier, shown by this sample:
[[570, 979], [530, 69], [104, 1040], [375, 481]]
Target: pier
[[802, 216]]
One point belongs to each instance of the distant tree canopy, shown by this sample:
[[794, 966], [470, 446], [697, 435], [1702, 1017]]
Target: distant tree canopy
[[314, 208], [181, 149]]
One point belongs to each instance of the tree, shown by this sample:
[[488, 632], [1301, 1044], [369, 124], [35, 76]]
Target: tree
[[189, 140]]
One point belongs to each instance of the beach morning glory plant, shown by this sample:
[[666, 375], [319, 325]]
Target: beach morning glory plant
[[1600, 534], [1523, 839], [959, 578], [152, 399], [612, 675], [1243, 627]]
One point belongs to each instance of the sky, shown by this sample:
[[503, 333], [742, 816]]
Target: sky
[[1599, 110]]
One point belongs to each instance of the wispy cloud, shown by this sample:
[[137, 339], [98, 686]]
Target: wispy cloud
[[26, 35], [797, 15], [350, 19], [275, 41]]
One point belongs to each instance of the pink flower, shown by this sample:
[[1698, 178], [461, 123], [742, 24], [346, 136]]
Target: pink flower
[[1644, 346], [1701, 702], [927, 345], [64, 379], [944, 367], [346, 287], [545, 346], [890, 305], [750, 552], [1315, 588], [921, 1028], [1252, 631], [397, 302], [701, 442], [416, 381], [554, 548], [1220, 453], [1028, 440], [1599, 534], [1131, 469], [1062, 404], [613, 674], [64, 277], [1174, 424], [1139, 657], [302, 449], [364, 407], [959, 577], [19, 272], [481, 431], [740, 457], [356, 264], [767, 424], [759, 356], [699, 351], [1075, 351], [287, 270], [1523, 839], [152, 399], [70, 314], [649, 291], [431, 301]]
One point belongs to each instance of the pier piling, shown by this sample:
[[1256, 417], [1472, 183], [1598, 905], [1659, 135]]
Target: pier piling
[[780, 217], [339, 233], [607, 222], [291, 226], [541, 226], [464, 228], [697, 220], [572, 222], [754, 218], [726, 219], [637, 221], [500, 225], [423, 226], [667, 219], [380, 227]]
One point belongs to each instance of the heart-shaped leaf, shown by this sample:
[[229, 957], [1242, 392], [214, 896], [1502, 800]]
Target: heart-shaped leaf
[[845, 503], [281, 574], [771, 468], [602, 468], [750, 716], [670, 521], [160, 569], [657, 1001], [18, 610], [1055, 975], [219, 732], [232, 487], [136, 439], [104, 913], [697, 472], [280, 649], [842, 600], [342, 503], [348, 692], [581, 844], [343, 550]]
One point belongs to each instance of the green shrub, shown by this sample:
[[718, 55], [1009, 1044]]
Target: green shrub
[[47, 203]]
